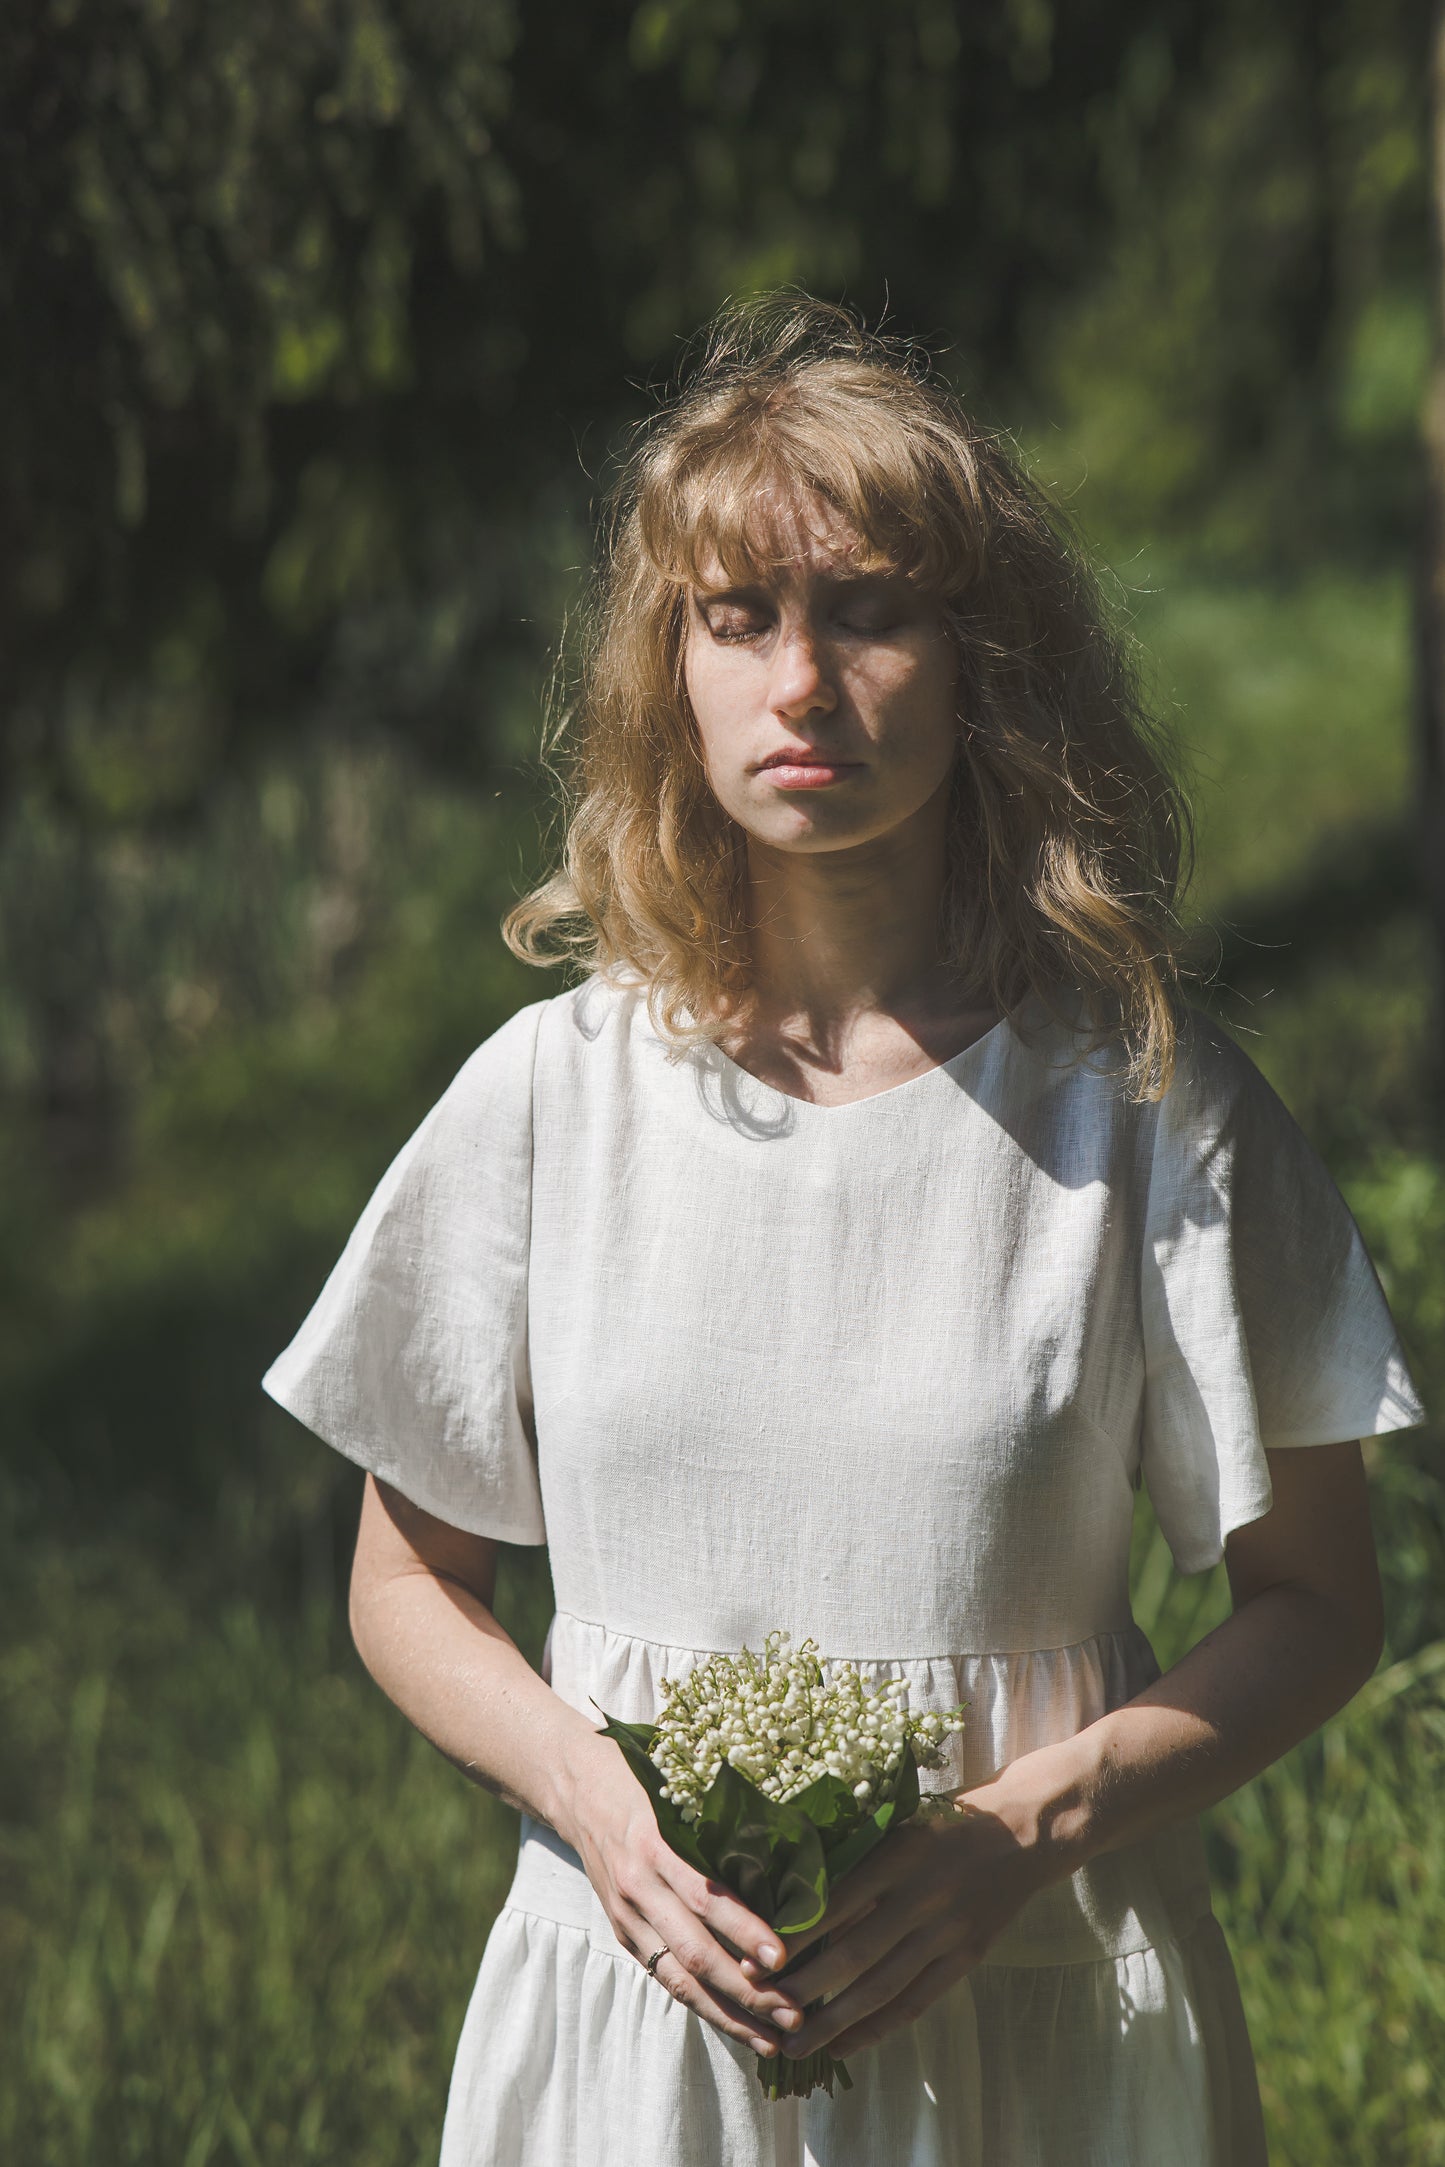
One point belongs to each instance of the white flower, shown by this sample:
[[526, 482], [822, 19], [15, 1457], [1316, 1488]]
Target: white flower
[[782, 1722]]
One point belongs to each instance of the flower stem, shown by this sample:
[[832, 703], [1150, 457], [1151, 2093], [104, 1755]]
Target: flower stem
[[787, 2078], [794, 2077]]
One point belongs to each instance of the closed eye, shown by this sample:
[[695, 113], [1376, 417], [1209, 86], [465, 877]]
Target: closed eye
[[731, 630], [733, 625]]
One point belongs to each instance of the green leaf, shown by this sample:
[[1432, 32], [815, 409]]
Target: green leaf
[[828, 1804], [905, 1790], [805, 1894], [770, 1854], [856, 1843], [865, 1838], [635, 1740]]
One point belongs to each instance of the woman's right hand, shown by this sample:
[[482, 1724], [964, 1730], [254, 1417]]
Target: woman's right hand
[[421, 1616], [655, 1900]]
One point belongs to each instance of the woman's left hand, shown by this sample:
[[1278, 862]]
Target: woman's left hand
[[924, 1909], [908, 1923]]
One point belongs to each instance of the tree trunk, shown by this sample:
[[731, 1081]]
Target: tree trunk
[[1431, 597]]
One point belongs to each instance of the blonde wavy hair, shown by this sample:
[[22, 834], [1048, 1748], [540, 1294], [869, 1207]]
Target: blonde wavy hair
[[1069, 835]]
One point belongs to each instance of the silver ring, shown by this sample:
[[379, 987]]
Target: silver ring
[[652, 1961]]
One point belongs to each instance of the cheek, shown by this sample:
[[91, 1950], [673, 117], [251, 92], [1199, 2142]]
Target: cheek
[[921, 710], [718, 709], [701, 688]]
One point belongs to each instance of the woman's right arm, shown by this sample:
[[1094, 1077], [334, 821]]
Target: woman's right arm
[[421, 1617]]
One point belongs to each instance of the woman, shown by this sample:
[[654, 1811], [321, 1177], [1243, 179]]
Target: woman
[[839, 1255]]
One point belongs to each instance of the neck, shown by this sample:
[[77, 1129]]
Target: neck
[[838, 934]]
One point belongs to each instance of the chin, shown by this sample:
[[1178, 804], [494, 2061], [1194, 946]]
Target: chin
[[807, 836]]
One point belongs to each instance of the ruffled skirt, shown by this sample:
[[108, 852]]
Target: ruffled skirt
[[1103, 2030], [570, 2056]]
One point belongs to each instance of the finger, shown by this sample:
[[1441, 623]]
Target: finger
[[699, 1996], [897, 1979], [849, 1955], [836, 1918], [646, 1886], [852, 1898], [727, 1917], [931, 1984], [715, 2009], [712, 1909], [694, 1955], [798, 1946]]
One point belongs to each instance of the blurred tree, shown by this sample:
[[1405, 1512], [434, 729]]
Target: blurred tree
[[310, 300], [221, 226], [1244, 369]]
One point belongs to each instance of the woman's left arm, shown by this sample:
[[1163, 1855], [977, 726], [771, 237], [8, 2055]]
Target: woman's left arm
[[1305, 1633]]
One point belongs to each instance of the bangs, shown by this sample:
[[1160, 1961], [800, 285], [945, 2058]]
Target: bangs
[[741, 490]]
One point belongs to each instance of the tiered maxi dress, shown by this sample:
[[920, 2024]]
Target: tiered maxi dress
[[886, 1373]]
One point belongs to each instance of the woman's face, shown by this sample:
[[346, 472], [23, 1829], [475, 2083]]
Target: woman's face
[[825, 698]]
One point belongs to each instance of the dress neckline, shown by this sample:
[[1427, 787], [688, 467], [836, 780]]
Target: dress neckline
[[811, 1108]]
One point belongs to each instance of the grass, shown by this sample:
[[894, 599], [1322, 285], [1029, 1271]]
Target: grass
[[1330, 1880], [241, 1901]]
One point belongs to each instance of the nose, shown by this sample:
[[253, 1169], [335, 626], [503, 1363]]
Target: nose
[[801, 681]]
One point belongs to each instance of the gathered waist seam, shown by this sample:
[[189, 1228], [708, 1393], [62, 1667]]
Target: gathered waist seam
[[551, 1884], [618, 1955], [1132, 1631]]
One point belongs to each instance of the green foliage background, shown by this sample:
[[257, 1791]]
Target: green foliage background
[[329, 316]]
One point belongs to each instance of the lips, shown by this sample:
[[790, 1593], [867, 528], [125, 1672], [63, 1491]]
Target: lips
[[806, 756], [807, 770]]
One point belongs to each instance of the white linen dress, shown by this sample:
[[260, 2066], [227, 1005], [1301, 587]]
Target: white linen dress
[[887, 1374]]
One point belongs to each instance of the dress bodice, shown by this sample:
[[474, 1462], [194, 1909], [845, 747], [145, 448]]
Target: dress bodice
[[872, 1372]]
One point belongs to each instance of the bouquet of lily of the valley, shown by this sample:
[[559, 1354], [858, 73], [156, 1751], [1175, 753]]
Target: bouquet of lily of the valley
[[771, 1777]]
